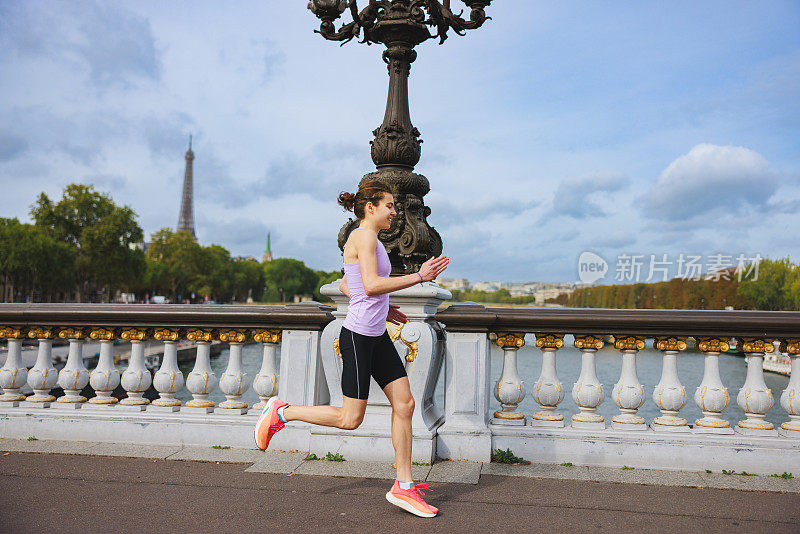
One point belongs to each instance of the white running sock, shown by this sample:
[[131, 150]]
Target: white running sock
[[404, 485], [280, 414]]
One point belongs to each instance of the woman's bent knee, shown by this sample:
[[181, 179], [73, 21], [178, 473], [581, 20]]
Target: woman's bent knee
[[351, 421], [405, 408]]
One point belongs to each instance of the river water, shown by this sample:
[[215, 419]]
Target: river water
[[733, 370]]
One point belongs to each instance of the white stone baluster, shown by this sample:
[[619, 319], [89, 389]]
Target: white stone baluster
[[790, 399], [201, 381], [669, 395], [711, 396], [755, 398], [233, 381], [14, 373], [42, 377], [105, 377], [588, 391], [509, 390], [548, 390], [168, 380], [74, 376], [136, 378], [266, 381], [628, 393]]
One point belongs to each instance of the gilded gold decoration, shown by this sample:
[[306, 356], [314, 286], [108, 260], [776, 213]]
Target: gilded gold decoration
[[670, 343], [543, 416], [588, 418], [234, 335], [788, 426], [550, 341], [336, 347], [713, 344], [200, 334], [12, 332], [670, 421], [589, 342], [790, 346], [509, 415], [712, 423], [41, 332], [166, 334], [755, 345], [623, 342], [395, 333], [134, 334], [71, 332], [107, 334], [267, 336], [511, 339], [756, 425]]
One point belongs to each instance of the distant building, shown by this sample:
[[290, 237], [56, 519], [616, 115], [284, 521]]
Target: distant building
[[454, 284], [551, 292], [487, 286], [186, 217], [267, 257]]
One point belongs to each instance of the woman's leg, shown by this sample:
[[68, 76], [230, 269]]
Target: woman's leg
[[348, 417], [399, 394]]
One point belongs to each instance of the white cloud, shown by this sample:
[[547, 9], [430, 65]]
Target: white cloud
[[710, 179]]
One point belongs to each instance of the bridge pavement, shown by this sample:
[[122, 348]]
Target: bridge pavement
[[90, 487]]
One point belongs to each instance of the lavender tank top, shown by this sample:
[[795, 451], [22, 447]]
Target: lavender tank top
[[366, 315]]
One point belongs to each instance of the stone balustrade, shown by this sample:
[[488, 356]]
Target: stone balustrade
[[455, 343], [136, 324], [628, 438]]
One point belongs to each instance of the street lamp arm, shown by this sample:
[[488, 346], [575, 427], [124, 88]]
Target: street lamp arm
[[439, 16]]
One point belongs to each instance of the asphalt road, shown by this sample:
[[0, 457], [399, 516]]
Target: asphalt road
[[69, 493]]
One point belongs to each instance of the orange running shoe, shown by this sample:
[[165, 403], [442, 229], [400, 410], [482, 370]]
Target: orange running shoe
[[410, 500], [268, 423]]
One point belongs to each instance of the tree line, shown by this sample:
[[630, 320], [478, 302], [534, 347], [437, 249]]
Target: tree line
[[85, 248], [776, 287]]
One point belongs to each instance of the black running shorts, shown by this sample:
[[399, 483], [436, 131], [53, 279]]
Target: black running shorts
[[365, 356]]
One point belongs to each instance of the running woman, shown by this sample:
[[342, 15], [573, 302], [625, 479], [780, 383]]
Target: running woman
[[365, 345]]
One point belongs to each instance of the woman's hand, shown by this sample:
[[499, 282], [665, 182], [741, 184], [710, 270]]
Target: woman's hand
[[395, 316], [433, 268]]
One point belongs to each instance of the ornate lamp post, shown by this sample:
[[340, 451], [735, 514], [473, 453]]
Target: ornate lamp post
[[400, 25]]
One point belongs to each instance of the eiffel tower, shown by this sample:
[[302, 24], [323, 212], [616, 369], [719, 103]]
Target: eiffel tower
[[186, 218]]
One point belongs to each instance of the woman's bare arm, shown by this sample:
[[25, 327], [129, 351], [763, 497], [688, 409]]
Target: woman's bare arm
[[343, 286], [365, 244]]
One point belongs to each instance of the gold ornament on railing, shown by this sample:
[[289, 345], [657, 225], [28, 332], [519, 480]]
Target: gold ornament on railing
[[41, 332], [12, 332], [790, 346], [267, 336], [167, 334], [200, 334], [234, 335], [755, 345], [670, 343], [134, 334], [511, 339], [396, 332], [72, 332], [713, 344], [623, 342], [107, 334], [549, 341], [336, 347], [588, 342]]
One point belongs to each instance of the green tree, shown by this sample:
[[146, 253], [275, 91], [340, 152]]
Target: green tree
[[771, 290], [284, 278], [178, 258], [103, 235], [248, 279], [323, 278]]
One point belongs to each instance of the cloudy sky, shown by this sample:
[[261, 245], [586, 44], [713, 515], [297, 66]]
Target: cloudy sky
[[557, 128]]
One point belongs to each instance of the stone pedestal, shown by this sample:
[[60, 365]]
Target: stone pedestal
[[420, 342]]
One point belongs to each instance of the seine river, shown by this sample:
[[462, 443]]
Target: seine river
[[568, 361]]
